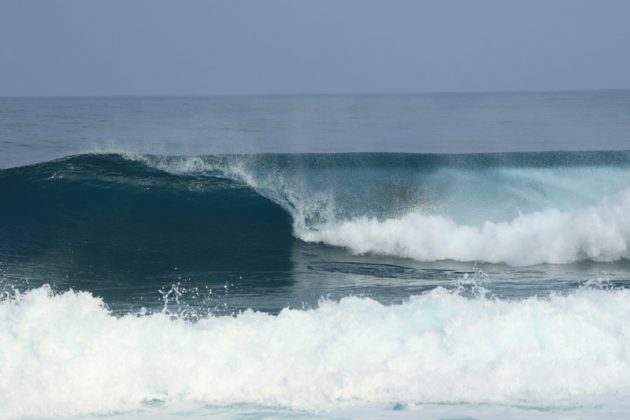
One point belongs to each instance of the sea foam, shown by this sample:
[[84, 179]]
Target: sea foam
[[598, 233], [66, 354]]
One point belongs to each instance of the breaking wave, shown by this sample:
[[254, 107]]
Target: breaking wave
[[519, 209]]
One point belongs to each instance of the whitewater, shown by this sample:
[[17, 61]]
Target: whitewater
[[598, 233], [66, 354]]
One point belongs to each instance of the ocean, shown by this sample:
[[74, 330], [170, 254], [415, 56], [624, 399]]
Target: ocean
[[453, 255]]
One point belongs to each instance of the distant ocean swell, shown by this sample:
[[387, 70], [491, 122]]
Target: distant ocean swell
[[517, 209], [65, 354]]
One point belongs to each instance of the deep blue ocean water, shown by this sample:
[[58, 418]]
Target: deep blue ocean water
[[431, 255]]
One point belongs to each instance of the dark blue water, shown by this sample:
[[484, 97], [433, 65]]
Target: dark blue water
[[408, 214]]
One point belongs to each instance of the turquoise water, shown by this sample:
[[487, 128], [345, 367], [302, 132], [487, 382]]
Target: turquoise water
[[316, 256]]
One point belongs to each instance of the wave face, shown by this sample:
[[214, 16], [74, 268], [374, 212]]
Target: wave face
[[107, 218], [221, 212], [62, 354]]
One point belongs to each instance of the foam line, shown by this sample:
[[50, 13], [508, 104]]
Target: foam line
[[65, 354]]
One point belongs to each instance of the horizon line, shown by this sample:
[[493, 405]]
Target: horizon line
[[207, 95]]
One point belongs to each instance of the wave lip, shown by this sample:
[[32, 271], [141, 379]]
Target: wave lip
[[63, 354]]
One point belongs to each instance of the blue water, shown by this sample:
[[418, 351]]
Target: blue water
[[331, 256]]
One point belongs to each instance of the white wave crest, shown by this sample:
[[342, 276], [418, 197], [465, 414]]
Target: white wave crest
[[66, 354], [598, 233]]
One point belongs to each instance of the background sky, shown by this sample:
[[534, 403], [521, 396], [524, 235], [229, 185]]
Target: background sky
[[198, 47]]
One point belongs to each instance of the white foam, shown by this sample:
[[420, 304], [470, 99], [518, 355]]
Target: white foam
[[599, 233], [67, 355]]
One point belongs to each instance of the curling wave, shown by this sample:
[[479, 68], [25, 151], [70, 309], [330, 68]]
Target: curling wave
[[90, 213], [228, 211]]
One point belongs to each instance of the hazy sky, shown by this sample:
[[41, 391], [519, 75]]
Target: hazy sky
[[158, 47]]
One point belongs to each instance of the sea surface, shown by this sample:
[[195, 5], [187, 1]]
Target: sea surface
[[352, 256]]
